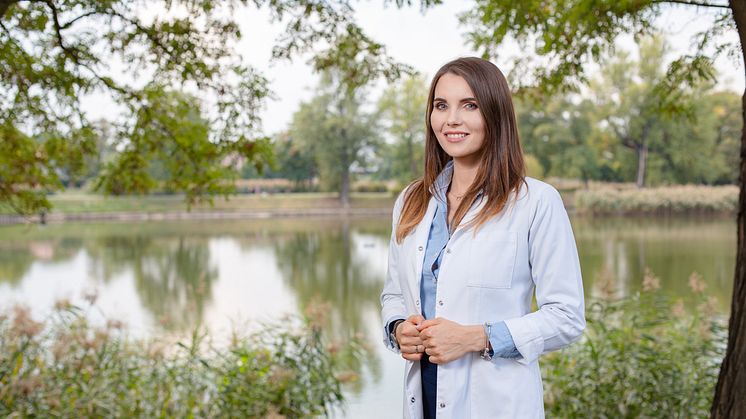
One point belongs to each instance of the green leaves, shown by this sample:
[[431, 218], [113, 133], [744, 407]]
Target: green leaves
[[170, 148], [67, 367], [641, 356], [335, 129], [568, 34], [345, 50], [53, 53]]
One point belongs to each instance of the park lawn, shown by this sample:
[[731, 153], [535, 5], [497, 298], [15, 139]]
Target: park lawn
[[74, 202]]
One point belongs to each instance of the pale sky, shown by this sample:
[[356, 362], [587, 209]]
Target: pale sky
[[422, 41]]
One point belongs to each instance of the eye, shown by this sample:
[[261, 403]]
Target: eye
[[439, 106], [471, 106]]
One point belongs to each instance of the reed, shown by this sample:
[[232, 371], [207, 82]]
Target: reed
[[67, 367]]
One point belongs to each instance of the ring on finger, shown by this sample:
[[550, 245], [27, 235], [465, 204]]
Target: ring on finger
[[417, 349]]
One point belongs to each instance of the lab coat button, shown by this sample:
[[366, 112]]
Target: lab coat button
[[412, 399], [440, 303], [448, 250], [417, 302], [419, 248], [442, 405]]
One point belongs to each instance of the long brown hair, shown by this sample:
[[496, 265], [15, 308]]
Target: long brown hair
[[501, 170]]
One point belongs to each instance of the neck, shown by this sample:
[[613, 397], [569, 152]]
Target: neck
[[464, 174]]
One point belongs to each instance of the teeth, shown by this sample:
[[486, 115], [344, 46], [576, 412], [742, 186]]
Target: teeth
[[455, 135]]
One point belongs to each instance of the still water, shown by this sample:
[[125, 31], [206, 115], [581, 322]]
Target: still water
[[166, 278]]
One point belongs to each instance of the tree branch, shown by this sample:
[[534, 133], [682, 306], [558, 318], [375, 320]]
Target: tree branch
[[4, 5], [74, 56], [694, 3], [58, 31], [147, 31], [70, 23]]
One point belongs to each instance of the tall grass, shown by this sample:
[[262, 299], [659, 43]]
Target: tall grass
[[643, 356], [67, 367], [683, 199]]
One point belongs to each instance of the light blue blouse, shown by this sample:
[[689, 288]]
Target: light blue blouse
[[500, 338]]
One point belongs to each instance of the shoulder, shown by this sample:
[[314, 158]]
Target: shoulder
[[538, 191], [540, 199]]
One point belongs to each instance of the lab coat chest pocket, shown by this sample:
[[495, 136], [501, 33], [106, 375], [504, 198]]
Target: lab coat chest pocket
[[492, 259]]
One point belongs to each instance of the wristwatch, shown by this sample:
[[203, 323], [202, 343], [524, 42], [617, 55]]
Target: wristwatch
[[392, 333]]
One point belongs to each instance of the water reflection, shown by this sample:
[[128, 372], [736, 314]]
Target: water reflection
[[173, 276], [618, 250], [340, 262], [331, 268]]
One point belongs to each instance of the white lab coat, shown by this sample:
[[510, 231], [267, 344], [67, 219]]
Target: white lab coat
[[491, 277]]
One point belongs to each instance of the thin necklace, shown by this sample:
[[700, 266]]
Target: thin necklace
[[458, 197]]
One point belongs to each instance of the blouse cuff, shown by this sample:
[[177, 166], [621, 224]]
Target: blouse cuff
[[502, 342]]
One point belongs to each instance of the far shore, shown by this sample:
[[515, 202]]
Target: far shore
[[599, 200], [193, 215], [76, 207]]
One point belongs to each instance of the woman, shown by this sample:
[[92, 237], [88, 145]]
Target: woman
[[472, 240]]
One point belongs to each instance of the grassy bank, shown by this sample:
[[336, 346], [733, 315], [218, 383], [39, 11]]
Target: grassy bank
[[668, 200], [77, 206], [74, 203], [66, 367], [598, 199]]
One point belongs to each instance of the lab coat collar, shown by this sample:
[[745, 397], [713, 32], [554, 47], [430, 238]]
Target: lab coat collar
[[443, 181]]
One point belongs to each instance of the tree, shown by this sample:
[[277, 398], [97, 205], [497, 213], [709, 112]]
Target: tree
[[169, 148], [54, 52], [629, 96], [402, 107], [560, 134], [295, 162], [570, 34], [337, 131]]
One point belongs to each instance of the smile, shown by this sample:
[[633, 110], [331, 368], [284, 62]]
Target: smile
[[456, 136]]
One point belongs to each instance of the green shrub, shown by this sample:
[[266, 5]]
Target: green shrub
[[363, 186], [70, 368], [640, 357], [684, 199]]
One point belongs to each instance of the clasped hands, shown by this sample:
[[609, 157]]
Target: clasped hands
[[443, 340]]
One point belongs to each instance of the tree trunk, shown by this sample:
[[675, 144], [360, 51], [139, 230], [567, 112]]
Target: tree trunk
[[730, 391], [642, 158], [344, 189]]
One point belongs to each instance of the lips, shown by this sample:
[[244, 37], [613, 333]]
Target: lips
[[454, 137]]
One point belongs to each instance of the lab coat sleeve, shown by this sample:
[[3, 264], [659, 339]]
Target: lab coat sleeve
[[392, 302], [555, 270]]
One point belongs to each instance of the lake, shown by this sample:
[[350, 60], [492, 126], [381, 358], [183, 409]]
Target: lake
[[166, 278]]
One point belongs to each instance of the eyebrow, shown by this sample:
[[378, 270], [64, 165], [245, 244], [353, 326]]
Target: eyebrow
[[466, 99]]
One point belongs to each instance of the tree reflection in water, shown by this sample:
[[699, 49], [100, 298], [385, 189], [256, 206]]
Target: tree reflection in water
[[17, 257], [173, 276], [322, 267]]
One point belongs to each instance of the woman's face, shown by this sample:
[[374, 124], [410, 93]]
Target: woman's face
[[457, 120]]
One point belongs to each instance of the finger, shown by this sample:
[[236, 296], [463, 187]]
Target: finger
[[416, 319], [411, 342], [412, 357], [427, 323], [409, 329]]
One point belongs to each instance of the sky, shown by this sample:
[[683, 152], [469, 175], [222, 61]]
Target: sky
[[424, 41]]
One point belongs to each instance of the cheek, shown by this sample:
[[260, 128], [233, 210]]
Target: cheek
[[476, 123], [436, 121]]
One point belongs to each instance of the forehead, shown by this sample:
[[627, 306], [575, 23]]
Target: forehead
[[451, 86]]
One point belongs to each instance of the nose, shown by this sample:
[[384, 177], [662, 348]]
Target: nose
[[454, 117]]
